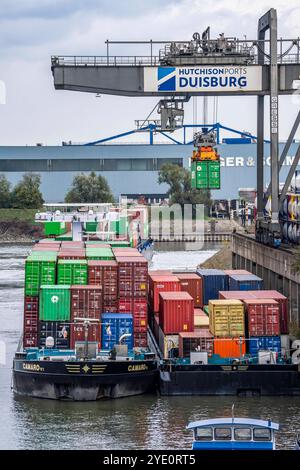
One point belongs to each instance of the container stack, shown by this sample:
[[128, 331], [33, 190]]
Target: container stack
[[227, 309], [227, 325], [68, 281], [133, 290]]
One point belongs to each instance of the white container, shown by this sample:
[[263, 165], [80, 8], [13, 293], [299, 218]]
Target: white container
[[199, 357], [285, 345], [267, 357], [167, 343]]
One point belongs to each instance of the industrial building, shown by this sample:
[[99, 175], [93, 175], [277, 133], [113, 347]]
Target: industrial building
[[132, 169]]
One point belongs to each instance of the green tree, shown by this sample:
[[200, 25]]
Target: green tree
[[180, 191], [26, 194], [5, 194], [89, 188]]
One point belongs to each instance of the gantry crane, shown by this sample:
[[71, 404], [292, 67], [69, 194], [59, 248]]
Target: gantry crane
[[225, 66]]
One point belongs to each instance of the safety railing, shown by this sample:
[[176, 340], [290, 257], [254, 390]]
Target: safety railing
[[288, 52]]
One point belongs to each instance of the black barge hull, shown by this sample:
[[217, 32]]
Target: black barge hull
[[83, 381], [252, 380]]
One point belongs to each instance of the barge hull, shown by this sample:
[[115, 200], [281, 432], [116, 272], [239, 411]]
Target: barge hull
[[276, 381], [77, 385]]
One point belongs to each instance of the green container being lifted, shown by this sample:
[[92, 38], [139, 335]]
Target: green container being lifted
[[205, 174], [54, 303], [39, 269], [91, 226], [72, 272], [54, 228], [214, 180]]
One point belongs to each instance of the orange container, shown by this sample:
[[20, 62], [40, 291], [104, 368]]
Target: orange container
[[229, 347]]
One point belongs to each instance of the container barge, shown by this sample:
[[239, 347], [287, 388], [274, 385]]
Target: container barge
[[99, 324], [85, 316]]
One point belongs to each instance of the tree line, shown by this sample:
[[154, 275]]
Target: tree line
[[85, 188]]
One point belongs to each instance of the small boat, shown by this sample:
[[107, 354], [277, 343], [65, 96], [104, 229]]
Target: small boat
[[233, 434]]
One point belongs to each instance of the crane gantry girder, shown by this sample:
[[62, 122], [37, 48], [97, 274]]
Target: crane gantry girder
[[132, 81]]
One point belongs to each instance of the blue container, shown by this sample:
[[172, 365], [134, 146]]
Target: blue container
[[245, 282], [257, 343], [214, 280], [113, 326]]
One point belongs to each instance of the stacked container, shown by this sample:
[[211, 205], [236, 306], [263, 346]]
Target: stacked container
[[133, 292], [244, 282], [198, 341], [72, 271], [283, 306], [201, 320], [176, 312], [105, 274], [263, 325], [113, 327], [213, 281], [31, 318], [227, 324], [158, 284], [191, 283], [60, 332], [40, 268]]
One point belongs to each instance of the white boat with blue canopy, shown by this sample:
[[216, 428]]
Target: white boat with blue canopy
[[233, 434]]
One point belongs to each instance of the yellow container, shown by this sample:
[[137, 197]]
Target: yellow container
[[226, 318], [201, 322]]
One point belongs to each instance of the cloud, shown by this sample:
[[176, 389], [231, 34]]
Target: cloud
[[32, 30]]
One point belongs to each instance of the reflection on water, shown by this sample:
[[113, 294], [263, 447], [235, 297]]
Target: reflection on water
[[130, 423]]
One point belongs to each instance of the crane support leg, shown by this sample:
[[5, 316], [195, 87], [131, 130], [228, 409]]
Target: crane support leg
[[290, 174]]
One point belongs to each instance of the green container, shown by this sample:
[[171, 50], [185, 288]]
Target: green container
[[72, 272], [64, 238], [55, 228], [49, 255], [206, 309], [201, 175], [39, 270], [193, 175], [99, 253], [91, 226], [54, 303], [214, 179]]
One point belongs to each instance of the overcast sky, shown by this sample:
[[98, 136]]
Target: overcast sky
[[33, 30]]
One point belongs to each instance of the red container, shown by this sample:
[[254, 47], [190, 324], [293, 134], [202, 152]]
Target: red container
[[236, 294], [176, 312], [283, 306], [86, 301], [158, 284], [30, 340], [71, 254], [139, 310], [160, 272], [192, 283], [104, 273], [31, 317], [126, 252], [263, 294], [133, 276], [263, 317], [140, 340], [46, 247], [197, 341], [46, 240], [78, 333]]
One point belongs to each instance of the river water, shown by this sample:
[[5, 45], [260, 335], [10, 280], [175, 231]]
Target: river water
[[144, 422]]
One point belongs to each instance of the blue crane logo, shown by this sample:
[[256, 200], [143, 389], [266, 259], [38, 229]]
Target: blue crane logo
[[166, 78]]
